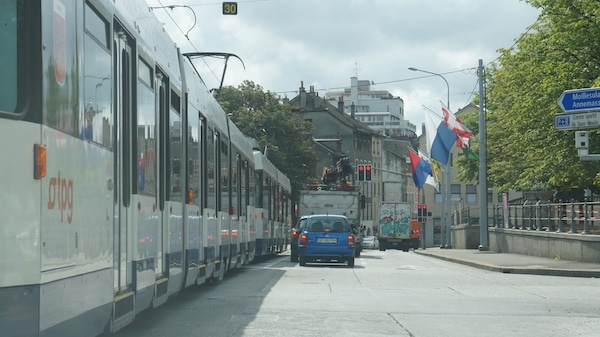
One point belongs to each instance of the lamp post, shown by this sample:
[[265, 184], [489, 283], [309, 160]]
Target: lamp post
[[446, 180]]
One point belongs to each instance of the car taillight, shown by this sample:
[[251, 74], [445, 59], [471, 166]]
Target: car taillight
[[350, 240], [295, 234], [303, 239]]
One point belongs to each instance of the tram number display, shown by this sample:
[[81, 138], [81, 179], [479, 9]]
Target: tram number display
[[230, 8]]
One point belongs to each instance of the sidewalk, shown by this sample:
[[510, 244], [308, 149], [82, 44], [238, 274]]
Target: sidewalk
[[514, 263]]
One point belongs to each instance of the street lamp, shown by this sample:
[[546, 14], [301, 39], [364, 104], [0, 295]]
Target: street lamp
[[445, 239], [436, 74]]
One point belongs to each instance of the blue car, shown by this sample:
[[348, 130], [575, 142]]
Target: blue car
[[326, 238]]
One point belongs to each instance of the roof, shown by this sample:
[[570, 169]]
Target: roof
[[311, 102]]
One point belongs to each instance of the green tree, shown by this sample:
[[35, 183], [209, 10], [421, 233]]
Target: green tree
[[560, 51], [260, 114]]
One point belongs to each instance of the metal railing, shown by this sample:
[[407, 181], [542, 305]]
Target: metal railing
[[562, 217]]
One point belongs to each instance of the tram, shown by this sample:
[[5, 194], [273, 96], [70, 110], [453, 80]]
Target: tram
[[124, 180]]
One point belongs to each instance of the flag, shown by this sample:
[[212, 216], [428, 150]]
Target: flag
[[458, 127], [439, 138], [435, 179], [421, 169], [469, 153]]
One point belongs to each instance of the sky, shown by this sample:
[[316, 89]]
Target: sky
[[323, 43]]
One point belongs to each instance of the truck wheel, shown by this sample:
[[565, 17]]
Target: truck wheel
[[302, 261], [357, 253], [351, 262], [381, 249], [294, 257]]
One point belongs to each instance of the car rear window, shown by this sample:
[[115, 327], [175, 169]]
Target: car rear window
[[327, 225]]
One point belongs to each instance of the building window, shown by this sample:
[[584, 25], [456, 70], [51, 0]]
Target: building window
[[455, 192], [471, 194], [438, 197]]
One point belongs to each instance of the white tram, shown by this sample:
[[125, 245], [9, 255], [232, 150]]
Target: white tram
[[124, 180]]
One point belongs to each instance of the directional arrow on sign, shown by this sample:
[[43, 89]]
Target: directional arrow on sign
[[580, 100]]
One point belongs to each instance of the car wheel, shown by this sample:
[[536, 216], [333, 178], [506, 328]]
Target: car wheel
[[294, 257], [351, 262], [302, 261], [357, 253]]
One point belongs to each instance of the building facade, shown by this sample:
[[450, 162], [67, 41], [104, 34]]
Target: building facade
[[378, 109], [337, 135]]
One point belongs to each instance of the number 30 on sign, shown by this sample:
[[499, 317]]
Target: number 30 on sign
[[230, 8]]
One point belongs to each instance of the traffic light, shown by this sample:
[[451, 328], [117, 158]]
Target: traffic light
[[361, 172], [368, 172], [422, 213]]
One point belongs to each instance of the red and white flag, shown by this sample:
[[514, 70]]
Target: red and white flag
[[456, 125]]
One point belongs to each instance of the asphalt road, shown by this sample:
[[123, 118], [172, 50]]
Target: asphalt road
[[390, 293]]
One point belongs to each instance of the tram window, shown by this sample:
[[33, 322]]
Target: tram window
[[243, 187], [193, 152], [12, 23], [234, 185], [211, 196], [224, 169], [145, 73], [251, 186], [176, 190], [97, 27], [146, 132], [96, 116]]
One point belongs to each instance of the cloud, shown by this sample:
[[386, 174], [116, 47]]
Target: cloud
[[325, 42]]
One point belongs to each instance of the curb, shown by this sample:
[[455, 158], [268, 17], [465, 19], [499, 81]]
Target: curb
[[545, 271]]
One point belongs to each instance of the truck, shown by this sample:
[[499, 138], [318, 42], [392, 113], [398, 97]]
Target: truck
[[397, 229], [347, 201], [335, 194]]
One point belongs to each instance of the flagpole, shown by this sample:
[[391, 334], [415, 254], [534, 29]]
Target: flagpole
[[445, 237], [483, 212]]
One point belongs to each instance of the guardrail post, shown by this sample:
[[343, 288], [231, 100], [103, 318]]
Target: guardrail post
[[511, 224], [538, 215], [497, 217], [573, 227], [549, 217], [517, 216], [561, 225], [530, 217], [586, 226]]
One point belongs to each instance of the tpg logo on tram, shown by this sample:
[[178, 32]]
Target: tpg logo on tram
[[60, 194]]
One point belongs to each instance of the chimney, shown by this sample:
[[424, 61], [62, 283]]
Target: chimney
[[302, 96], [352, 110], [341, 104]]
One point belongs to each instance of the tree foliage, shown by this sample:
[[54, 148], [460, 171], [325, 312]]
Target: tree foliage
[[260, 115], [560, 51]]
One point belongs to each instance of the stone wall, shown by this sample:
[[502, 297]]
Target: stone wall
[[565, 246]]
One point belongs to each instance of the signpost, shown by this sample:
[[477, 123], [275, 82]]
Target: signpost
[[580, 100], [582, 111], [577, 121]]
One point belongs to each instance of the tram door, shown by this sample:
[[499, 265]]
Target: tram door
[[123, 77]]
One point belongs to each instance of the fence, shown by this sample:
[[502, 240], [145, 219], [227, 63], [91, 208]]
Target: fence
[[561, 217]]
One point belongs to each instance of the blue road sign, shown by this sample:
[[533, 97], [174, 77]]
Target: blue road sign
[[562, 122], [580, 100]]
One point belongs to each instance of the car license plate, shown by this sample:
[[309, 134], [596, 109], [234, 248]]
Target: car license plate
[[327, 240]]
